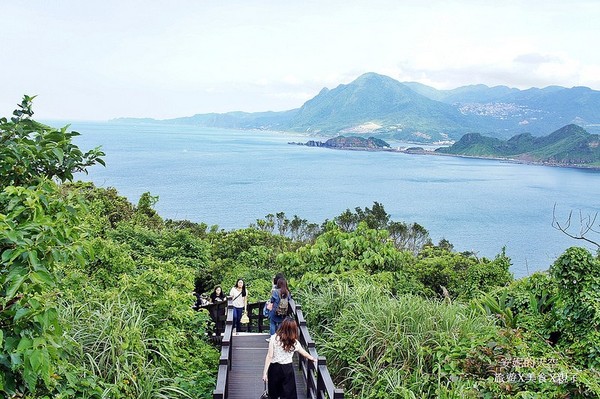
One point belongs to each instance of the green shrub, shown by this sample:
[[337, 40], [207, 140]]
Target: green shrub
[[461, 274], [577, 274]]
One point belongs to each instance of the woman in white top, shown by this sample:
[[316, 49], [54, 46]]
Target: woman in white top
[[240, 301], [279, 370]]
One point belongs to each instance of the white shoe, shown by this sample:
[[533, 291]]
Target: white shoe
[[268, 339]]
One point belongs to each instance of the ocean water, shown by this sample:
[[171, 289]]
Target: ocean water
[[231, 178]]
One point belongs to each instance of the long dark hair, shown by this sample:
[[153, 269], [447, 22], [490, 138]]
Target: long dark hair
[[276, 278], [284, 291], [288, 334], [243, 286], [214, 295]]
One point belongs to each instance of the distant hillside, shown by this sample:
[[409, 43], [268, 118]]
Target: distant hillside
[[509, 110], [380, 106], [229, 120], [570, 145]]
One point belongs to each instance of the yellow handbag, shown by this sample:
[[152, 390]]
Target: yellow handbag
[[245, 319]]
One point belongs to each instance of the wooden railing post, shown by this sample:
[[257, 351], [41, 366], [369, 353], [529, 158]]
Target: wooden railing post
[[257, 319]]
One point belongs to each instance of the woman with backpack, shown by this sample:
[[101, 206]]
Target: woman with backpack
[[280, 300], [269, 305]]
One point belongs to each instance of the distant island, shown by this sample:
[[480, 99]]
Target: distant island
[[350, 143], [570, 145]]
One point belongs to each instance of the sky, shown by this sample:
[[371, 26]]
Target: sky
[[103, 59]]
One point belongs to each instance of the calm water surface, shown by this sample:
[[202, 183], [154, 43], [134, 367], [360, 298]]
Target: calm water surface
[[231, 178]]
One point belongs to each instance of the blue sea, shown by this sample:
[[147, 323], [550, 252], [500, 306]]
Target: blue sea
[[230, 178]]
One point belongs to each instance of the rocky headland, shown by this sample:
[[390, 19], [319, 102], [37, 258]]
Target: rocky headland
[[350, 143]]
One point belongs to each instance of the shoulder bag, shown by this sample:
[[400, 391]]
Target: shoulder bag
[[265, 394]]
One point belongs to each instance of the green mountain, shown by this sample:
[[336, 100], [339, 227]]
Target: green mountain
[[380, 106], [569, 145]]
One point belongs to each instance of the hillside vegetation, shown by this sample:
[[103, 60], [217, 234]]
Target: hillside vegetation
[[570, 145], [96, 295]]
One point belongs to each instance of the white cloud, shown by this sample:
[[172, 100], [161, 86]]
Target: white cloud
[[536, 58], [102, 59]]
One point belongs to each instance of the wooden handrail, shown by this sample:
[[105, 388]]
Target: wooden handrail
[[220, 391], [218, 314], [319, 384]]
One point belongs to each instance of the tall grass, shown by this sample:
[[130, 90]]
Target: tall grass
[[404, 346], [116, 344]]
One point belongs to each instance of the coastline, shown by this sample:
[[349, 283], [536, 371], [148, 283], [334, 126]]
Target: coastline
[[515, 161], [419, 151]]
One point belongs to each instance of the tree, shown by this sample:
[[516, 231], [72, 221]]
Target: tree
[[337, 251], [409, 237], [459, 275], [145, 213], [39, 227], [296, 229], [405, 237], [30, 150], [375, 218]]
